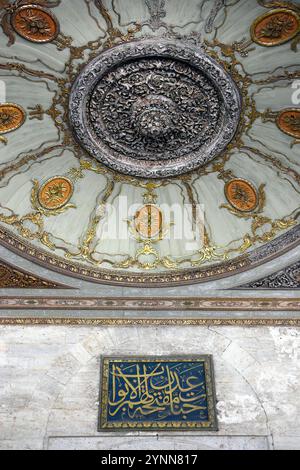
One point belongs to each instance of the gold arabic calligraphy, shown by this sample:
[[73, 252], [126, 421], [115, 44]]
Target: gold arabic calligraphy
[[161, 391]]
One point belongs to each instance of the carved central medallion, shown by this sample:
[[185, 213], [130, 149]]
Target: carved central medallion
[[154, 108]]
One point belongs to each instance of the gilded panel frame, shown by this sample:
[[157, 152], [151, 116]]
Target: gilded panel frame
[[211, 425]]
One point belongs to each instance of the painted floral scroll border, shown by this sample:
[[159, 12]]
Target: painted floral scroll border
[[261, 255]]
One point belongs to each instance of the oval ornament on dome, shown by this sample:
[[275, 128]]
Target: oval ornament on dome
[[148, 221], [36, 24], [242, 195], [154, 108], [12, 116], [288, 122], [55, 193], [275, 27]]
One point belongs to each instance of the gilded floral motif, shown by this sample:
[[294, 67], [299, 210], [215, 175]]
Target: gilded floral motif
[[31, 20], [12, 116], [55, 193], [288, 122], [275, 27], [35, 24], [242, 195]]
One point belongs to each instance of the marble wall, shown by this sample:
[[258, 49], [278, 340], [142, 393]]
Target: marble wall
[[49, 383]]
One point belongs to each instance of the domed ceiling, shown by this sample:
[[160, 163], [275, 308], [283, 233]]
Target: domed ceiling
[[149, 142]]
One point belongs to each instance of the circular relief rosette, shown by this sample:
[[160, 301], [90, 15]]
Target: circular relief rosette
[[154, 108]]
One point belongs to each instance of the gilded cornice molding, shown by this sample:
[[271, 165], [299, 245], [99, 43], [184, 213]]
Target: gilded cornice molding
[[259, 256]]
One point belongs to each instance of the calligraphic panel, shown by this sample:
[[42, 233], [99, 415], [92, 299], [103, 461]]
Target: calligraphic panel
[[157, 393]]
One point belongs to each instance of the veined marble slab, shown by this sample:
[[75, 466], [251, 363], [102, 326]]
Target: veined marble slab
[[157, 442]]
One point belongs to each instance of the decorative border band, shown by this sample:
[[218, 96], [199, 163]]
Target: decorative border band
[[238, 304], [261, 255], [143, 322]]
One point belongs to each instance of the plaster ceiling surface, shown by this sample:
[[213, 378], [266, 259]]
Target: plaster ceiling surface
[[62, 205]]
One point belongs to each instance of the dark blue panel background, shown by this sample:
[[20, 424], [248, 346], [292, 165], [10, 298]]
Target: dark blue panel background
[[185, 370]]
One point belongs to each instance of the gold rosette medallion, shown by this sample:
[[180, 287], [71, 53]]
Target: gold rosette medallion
[[12, 116], [276, 27], [35, 24], [55, 193], [288, 122], [148, 221], [242, 195]]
